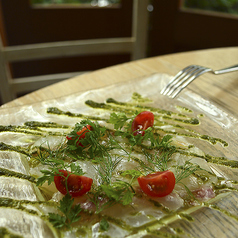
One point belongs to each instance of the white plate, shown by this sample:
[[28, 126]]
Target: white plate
[[214, 122]]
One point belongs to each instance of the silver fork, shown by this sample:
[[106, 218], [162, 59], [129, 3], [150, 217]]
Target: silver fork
[[184, 77]]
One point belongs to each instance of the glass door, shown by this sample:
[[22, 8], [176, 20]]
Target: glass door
[[38, 21], [99, 3], [184, 25], [225, 6]]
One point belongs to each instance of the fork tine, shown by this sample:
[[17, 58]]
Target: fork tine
[[201, 70], [176, 78], [196, 69], [183, 78]]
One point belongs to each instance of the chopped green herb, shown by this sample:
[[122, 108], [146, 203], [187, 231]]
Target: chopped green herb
[[118, 120], [69, 213], [104, 225]]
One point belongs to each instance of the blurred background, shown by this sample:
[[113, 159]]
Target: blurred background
[[173, 26]]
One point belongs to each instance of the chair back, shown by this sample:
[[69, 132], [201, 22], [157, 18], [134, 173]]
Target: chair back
[[10, 87]]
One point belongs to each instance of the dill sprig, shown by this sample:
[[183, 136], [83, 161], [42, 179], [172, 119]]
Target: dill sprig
[[106, 167], [109, 190], [158, 154], [55, 160], [184, 171], [156, 162]]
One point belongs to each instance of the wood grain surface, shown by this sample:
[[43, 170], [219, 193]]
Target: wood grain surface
[[221, 89]]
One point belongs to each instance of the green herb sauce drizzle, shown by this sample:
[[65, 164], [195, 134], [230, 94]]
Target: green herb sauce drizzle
[[10, 173], [162, 116], [4, 232]]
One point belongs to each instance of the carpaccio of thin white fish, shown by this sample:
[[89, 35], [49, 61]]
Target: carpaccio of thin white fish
[[21, 222], [49, 142], [15, 188], [145, 209], [21, 189], [12, 187], [13, 161], [18, 139], [15, 220]]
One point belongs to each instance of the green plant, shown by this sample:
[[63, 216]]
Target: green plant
[[227, 6]]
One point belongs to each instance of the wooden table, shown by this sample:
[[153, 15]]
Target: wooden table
[[222, 89]]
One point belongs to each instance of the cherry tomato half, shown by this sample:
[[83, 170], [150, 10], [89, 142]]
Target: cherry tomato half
[[81, 135], [141, 122], [77, 185], [157, 184]]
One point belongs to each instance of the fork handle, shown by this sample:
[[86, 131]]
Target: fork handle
[[227, 70]]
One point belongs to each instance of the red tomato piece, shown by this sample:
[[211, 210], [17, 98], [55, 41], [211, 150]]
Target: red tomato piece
[[77, 185], [141, 122], [157, 184], [81, 135]]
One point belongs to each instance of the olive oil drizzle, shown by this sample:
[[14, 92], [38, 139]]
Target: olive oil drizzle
[[18, 149], [168, 114], [130, 109], [36, 125], [144, 229], [207, 138], [21, 129], [4, 232], [57, 111], [208, 158], [117, 104], [185, 214], [34, 128], [10, 173], [18, 204], [229, 214], [212, 159]]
